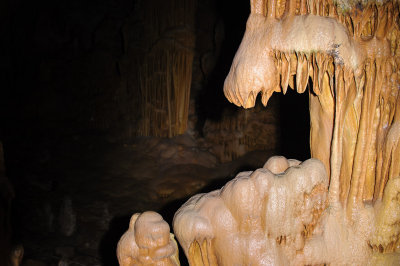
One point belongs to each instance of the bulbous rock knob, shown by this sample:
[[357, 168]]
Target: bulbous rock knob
[[148, 242]]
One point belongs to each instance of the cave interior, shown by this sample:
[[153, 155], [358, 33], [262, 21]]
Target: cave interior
[[114, 107]]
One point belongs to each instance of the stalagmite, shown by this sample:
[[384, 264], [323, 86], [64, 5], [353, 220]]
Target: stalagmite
[[147, 242], [342, 207]]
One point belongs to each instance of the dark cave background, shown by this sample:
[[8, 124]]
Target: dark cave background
[[68, 110]]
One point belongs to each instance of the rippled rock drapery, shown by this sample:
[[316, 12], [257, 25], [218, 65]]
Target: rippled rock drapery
[[351, 54]]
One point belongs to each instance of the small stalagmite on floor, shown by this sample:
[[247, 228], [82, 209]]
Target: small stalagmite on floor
[[147, 242], [343, 206]]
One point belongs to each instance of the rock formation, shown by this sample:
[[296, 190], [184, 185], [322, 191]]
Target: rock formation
[[147, 242], [281, 215], [343, 206], [351, 54]]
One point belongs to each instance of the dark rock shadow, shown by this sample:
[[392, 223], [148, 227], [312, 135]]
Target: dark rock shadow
[[295, 124], [109, 241], [167, 212], [212, 95]]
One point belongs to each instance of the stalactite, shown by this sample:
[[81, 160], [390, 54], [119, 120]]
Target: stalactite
[[349, 104], [165, 69]]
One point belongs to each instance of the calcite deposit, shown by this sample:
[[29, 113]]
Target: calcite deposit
[[281, 215], [147, 242], [349, 52], [258, 218], [343, 206]]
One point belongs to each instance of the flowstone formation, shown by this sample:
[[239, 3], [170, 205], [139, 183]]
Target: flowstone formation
[[350, 52], [343, 206], [258, 218], [281, 215]]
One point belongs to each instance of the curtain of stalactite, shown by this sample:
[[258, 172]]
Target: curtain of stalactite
[[163, 69]]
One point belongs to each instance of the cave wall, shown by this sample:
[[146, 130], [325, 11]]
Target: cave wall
[[93, 65], [229, 132], [124, 69], [82, 81]]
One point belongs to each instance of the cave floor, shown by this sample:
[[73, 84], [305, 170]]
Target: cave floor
[[75, 196]]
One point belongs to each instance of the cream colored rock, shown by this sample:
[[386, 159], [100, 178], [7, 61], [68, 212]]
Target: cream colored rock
[[387, 226], [279, 164], [147, 242], [258, 218], [254, 67], [285, 218]]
